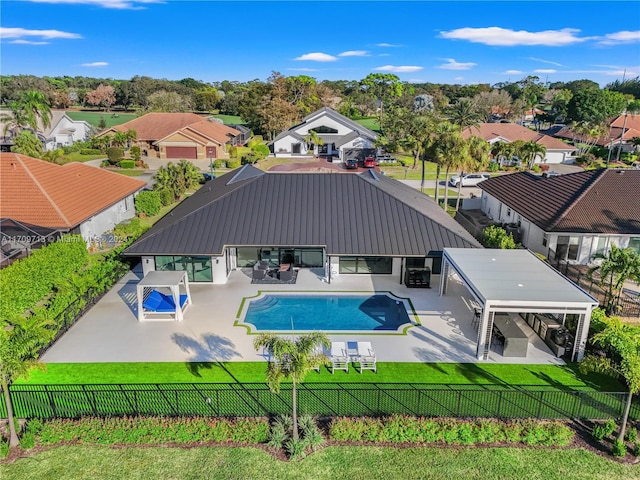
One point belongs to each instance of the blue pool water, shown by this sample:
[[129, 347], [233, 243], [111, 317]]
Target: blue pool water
[[326, 313]]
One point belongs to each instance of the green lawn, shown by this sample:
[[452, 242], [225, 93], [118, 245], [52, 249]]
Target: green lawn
[[480, 375], [78, 157], [371, 123], [354, 463], [93, 118], [408, 173], [230, 119], [129, 172]]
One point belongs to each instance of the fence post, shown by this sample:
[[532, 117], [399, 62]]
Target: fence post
[[540, 405], [52, 403], [499, 404]]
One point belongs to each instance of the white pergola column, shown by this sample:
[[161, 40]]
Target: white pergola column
[[485, 332], [582, 333], [444, 276]]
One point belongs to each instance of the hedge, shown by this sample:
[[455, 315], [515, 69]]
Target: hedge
[[166, 196], [148, 203], [27, 282], [127, 163], [90, 151], [114, 154]]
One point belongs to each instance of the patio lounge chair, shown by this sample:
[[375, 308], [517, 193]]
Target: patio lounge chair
[[339, 358], [260, 270], [285, 273], [366, 357]]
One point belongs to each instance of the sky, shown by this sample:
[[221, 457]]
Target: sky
[[454, 42]]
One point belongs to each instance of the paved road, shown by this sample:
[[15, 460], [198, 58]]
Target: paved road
[[466, 192]]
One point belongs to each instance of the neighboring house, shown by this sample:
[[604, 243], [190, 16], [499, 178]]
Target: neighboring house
[[179, 135], [557, 150], [342, 137], [45, 200], [62, 131], [243, 136], [337, 223], [569, 217], [622, 129]]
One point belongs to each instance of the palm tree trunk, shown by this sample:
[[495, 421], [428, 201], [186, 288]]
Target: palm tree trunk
[[13, 434], [446, 188], [294, 402], [625, 417], [437, 182], [459, 191]]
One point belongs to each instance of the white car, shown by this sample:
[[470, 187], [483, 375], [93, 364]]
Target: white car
[[469, 180]]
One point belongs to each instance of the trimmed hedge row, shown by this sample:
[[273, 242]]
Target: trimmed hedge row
[[27, 282], [406, 429]]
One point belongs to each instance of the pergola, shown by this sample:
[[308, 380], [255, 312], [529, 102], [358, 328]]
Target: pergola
[[152, 302], [516, 281]]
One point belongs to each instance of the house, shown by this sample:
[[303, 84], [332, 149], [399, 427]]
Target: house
[[341, 224], [557, 150], [178, 135], [568, 217], [62, 131], [39, 200], [341, 136], [622, 129], [243, 136]]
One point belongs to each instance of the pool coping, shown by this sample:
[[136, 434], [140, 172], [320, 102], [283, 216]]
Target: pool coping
[[401, 330]]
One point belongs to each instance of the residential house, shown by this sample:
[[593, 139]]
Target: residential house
[[557, 150], [340, 224], [622, 129], [568, 217], [243, 136], [341, 136], [40, 200], [179, 135], [62, 131]]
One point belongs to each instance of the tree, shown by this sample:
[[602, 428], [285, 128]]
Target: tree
[[531, 151], [103, 96], [382, 86], [292, 359], [30, 109], [497, 237], [19, 343], [447, 148], [177, 178], [495, 102], [465, 113], [475, 159], [616, 267], [621, 347], [312, 139], [163, 101], [207, 99], [26, 143]]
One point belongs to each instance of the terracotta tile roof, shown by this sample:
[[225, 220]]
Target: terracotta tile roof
[[633, 121], [154, 126], [513, 132], [45, 194], [217, 131], [597, 201]]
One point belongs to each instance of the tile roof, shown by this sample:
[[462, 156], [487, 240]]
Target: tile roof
[[58, 196], [154, 126], [595, 201], [216, 131], [350, 214], [513, 132]]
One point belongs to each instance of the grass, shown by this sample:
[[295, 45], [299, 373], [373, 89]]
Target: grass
[[371, 123], [408, 173], [129, 172], [149, 221], [78, 157], [93, 118], [230, 119], [355, 463], [480, 375]]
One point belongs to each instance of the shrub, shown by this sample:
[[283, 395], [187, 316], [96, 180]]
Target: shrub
[[166, 196], [619, 448], [255, 140], [537, 169], [105, 163], [126, 163], [599, 432], [295, 449], [136, 153], [233, 151], [497, 237], [129, 229], [114, 154], [494, 167], [220, 163], [235, 163], [4, 448], [636, 449], [632, 435], [261, 150], [90, 151], [148, 203], [250, 158], [610, 427]]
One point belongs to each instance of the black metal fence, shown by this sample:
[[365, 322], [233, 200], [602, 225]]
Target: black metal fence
[[327, 399]]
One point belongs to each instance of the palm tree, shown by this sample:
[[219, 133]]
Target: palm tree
[[311, 139], [19, 343], [476, 159], [502, 151], [448, 150], [36, 106], [618, 265], [190, 173], [465, 113], [293, 359], [533, 150]]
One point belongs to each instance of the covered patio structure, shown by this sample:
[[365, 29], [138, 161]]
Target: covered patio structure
[[513, 285], [156, 305]]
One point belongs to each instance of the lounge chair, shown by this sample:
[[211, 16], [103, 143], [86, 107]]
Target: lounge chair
[[339, 358], [285, 275], [366, 357], [260, 270]]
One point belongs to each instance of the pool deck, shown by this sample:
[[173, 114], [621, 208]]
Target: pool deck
[[110, 331]]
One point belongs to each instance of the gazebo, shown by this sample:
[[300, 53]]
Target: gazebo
[[153, 304], [518, 282]]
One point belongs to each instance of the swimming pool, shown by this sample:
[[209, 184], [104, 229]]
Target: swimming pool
[[378, 312]]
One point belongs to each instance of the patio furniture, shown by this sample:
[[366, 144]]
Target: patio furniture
[[319, 349], [366, 357], [260, 270], [339, 357], [152, 302], [285, 272], [516, 342]]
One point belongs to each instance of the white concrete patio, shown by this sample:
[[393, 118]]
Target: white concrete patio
[[110, 331]]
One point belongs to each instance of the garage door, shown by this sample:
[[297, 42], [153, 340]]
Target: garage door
[[182, 152]]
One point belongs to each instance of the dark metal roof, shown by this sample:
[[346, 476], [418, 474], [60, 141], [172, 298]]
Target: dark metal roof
[[595, 201], [349, 214]]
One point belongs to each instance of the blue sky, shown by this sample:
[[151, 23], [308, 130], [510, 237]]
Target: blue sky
[[420, 41]]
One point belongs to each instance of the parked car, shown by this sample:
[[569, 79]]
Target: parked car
[[206, 177], [369, 162], [351, 163], [469, 180]]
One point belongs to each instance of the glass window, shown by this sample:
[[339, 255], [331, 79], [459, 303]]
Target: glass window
[[366, 265], [411, 262], [601, 245], [201, 269], [164, 263], [348, 265], [198, 268], [247, 256], [311, 257], [634, 244], [574, 247]]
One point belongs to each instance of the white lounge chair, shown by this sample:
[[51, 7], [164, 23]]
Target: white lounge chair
[[366, 357], [339, 358]]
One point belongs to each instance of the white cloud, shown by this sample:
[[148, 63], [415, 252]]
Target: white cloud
[[624, 36], [94, 64], [513, 72], [545, 70], [115, 4], [508, 38], [317, 57], [399, 69], [545, 61], [19, 33], [28, 42], [354, 53], [453, 65], [387, 45]]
